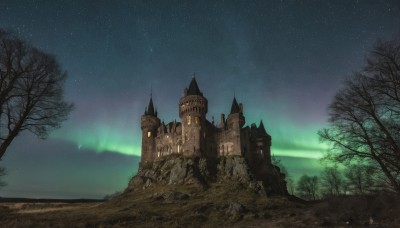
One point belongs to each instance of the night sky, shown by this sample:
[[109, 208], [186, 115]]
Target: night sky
[[284, 60]]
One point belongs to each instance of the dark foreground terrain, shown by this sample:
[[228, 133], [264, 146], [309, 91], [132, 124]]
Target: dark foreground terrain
[[185, 206]]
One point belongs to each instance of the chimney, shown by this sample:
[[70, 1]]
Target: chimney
[[223, 120]]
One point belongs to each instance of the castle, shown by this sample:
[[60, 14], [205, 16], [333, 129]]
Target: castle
[[195, 136]]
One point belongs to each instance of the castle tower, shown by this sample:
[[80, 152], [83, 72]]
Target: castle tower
[[264, 143], [235, 123], [149, 124], [192, 111]]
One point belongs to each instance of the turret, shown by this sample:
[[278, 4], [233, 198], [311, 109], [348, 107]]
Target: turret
[[236, 119], [149, 124], [192, 111], [235, 123], [264, 142], [222, 125]]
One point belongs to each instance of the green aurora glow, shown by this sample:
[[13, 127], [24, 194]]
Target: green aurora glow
[[285, 60], [102, 139], [287, 140]]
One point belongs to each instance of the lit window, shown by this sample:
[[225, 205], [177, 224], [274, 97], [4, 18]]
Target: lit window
[[196, 120], [148, 134], [189, 119]]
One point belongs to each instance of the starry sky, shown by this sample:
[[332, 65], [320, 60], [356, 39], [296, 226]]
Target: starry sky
[[284, 60]]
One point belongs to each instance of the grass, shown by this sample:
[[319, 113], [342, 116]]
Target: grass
[[206, 208]]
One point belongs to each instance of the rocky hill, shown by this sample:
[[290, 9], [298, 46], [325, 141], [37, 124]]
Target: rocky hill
[[194, 192], [204, 173]]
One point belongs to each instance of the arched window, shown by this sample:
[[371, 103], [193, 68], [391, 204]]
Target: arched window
[[189, 119], [148, 134]]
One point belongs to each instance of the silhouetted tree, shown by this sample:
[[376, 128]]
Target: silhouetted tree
[[365, 114], [31, 91], [2, 173], [307, 187], [291, 186], [332, 182], [361, 178]]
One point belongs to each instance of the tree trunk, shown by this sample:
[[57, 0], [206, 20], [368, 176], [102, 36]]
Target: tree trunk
[[6, 143], [387, 173], [4, 146]]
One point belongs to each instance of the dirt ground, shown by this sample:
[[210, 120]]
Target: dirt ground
[[184, 207], [32, 208]]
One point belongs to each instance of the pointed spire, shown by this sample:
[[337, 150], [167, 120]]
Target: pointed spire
[[150, 107], [261, 128], [193, 87], [235, 106]]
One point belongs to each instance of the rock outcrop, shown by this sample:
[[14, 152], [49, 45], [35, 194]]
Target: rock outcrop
[[206, 172]]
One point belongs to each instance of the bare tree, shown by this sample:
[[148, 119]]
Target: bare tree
[[2, 173], [291, 186], [31, 91], [307, 187], [365, 114], [332, 182], [361, 178]]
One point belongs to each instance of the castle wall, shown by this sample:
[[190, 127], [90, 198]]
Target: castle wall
[[210, 141], [228, 142], [196, 136], [168, 140], [217, 142], [245, 141]]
